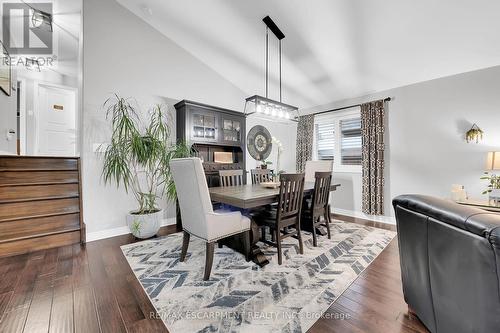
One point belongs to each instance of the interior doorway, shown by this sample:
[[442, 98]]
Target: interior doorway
[[56, 120]]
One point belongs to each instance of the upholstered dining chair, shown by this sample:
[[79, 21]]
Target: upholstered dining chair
[[231, 177], [260, 176], [318, 207], [198, 217], [316, 166], [286, 214]]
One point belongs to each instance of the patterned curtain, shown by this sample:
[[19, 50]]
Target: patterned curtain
[[372, 127], [305, 132]]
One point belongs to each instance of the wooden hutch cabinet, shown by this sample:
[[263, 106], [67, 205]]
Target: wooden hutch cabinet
[[213, 132]]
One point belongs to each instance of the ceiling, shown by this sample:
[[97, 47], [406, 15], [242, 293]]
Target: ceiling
[[334, 49]]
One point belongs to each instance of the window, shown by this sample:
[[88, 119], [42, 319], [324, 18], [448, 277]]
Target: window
[[337, 137], [325, 140], [351, 141]]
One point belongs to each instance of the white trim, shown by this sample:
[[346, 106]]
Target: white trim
[[108, 233], [361, 215], [22, 115]]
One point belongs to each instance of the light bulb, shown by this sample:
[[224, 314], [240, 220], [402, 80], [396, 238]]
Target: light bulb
[[287, 115], [266, 110], [259, 108], [280, 114], [273, 113]]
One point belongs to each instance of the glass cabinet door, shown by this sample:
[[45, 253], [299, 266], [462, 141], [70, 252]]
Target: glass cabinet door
[[231, 130], [204, 126]]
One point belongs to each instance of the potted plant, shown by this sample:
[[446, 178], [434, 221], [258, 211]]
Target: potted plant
[[493, 189], [138, 158], [264, 164]]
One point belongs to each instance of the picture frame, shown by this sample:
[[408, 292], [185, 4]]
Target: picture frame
[[5, 71]]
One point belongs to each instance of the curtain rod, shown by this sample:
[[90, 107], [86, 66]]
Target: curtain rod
[[346, 107]]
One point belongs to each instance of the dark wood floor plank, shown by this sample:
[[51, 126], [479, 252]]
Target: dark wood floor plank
[[92, 288], [85, 315], [61, 316], [14, 320], [39, 315], [108, 310], [4, 301]]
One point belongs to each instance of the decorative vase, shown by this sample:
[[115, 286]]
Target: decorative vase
[[494, 196], [144, 225]]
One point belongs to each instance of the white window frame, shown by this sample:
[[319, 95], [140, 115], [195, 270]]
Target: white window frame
[[336, 117]]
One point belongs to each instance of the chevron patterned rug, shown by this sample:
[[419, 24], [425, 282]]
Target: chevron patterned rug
[[242, 297]]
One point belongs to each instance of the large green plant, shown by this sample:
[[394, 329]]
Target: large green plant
[[138, 156], [493, 182]]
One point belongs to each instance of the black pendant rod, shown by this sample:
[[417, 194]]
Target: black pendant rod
[[388, 99], [267, 61], [280, 66]]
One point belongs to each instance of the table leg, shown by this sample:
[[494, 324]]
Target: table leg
[[237, 243]]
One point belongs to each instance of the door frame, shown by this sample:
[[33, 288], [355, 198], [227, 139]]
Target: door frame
[[22, 115], [36, 110]]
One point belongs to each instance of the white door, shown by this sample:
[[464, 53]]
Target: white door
[[56, 121]]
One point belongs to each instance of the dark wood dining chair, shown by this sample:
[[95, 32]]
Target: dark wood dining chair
[[286, 214], [231, 177], [261, 176], [318, 207]]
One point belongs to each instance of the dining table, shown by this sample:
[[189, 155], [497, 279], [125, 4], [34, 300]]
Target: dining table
[[247, 198]]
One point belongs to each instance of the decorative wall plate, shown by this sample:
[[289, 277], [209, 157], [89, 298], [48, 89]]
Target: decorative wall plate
[[259, 142]]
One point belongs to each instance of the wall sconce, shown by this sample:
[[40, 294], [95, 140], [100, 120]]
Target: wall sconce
[[474, 134]]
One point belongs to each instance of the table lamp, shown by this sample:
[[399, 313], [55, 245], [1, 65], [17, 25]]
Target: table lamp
[[493, 164]]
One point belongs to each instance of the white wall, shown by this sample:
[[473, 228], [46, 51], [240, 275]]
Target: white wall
[[426, 150], [123, 54], [286, 132]]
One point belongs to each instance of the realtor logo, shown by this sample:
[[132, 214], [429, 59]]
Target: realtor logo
[[27, 28]]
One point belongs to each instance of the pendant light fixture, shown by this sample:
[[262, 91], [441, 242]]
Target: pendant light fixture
[[265, 106]]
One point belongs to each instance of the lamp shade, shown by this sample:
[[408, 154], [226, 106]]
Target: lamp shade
[[493, 160]]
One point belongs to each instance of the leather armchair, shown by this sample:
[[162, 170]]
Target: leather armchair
[[450, 263], [198, 217]]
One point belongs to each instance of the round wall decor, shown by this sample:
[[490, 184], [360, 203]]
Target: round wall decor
[[259, 142]]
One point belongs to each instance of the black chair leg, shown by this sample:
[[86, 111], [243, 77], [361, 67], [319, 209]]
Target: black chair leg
[[278, 245], [327, 222], [185, 244], [315, 237], [246, 245], [209, 259], [219, 244], [299, 236]]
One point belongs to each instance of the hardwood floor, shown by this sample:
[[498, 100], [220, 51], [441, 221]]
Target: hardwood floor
[[92, 289]]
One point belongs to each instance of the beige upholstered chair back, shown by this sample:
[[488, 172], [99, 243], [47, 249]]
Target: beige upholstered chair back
[[317, 166], [193, 195]]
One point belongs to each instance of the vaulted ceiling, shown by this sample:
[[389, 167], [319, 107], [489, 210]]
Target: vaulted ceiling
[[334, 49]]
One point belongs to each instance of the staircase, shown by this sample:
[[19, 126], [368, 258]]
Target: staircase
[[40, 203]]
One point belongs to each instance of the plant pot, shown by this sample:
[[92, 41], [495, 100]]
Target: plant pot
[[494, 195], [144, 225]]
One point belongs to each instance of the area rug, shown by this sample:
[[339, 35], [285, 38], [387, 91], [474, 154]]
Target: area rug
[[242, 297]]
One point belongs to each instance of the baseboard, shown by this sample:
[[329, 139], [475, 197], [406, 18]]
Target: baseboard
[[108, 233], [361, 215]]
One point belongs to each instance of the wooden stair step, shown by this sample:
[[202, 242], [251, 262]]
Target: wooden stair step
[[41, 208], [36, 227], [37, 192], [39, 243], [38, 163], [11, 178]]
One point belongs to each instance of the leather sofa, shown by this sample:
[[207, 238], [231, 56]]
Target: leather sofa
[[450, 264]]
